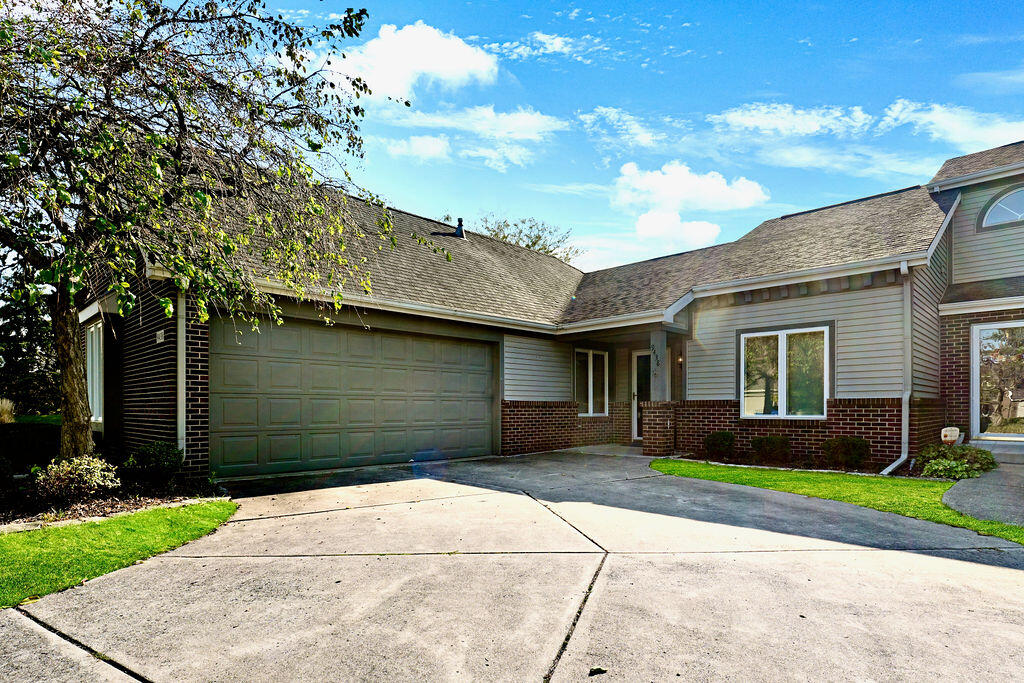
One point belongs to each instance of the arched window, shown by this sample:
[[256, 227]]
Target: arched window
[[1006, 209]]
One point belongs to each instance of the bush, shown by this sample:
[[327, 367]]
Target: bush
[[944, 468], [955, 462], [27, 445], [771, 449], [153, 465], [6, 475], [72, 481], [720, 445], [845, 452]]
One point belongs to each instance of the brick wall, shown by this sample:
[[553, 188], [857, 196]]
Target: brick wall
[[197, 394], [536, 426], [927, 418], [659, 433], [877, 420], [956, 362], [149, 370]]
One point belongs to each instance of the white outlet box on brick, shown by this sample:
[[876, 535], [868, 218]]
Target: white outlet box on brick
[[159, 336]]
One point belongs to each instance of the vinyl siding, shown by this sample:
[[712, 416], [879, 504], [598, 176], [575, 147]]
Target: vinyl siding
[[989, 254], [536, 369], [929, 284], [869, 341]]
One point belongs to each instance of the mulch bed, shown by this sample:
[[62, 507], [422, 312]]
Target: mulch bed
[[98, 507]]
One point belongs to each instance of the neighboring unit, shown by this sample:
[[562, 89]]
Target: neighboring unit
[[886, 317]]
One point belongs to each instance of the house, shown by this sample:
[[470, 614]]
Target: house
[[886, 317]]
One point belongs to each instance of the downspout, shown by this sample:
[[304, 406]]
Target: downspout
[[908, 367], [180, 337]]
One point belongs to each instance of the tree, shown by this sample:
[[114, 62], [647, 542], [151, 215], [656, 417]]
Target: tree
[[530, 233], [28, 369], [201, 136]]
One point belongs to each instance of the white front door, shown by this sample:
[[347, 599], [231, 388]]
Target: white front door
[[641, 389], [997, 380]]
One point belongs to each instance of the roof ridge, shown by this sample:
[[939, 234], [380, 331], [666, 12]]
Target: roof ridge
[[480, 234], [658, 258], [847, 202], [982, 151]]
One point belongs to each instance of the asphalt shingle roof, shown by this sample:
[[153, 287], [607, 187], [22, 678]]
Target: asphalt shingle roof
[[987, 289], [887, 225], [485, 275], [981, 161]]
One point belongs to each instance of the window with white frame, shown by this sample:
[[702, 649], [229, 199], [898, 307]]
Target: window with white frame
[[94, 369], [1005, 210], [591, 379], [785, 373]]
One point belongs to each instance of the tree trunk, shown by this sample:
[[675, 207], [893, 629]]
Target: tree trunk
[[76, 430]]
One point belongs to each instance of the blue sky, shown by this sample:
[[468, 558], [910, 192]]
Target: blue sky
[[653, 128]]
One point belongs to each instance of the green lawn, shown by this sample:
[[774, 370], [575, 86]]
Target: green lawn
[[39, 419], [34, 563], [920, 498]]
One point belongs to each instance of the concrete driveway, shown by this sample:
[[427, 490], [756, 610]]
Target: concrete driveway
[[561, 565]]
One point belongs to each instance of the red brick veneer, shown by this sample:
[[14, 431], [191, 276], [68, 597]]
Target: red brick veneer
[[536, 426], [149, 371], [956, 361], [927, 418], [197, 394], [876, 419], [659, 422]]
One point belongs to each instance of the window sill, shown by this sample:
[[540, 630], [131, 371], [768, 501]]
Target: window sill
[[592, 415], [784, 417]]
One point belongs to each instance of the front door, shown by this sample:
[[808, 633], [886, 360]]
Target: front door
[[641, 389], [997, 380]]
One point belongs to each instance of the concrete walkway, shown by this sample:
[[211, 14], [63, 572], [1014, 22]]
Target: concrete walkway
[[996, 495], [554, 566]]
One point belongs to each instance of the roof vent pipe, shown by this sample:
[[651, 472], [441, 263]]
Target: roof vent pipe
[[459, 231]]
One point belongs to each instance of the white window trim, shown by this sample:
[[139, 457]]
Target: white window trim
[[783, 335], [94, 369], [590, 381], [984, 221], [976, 380]]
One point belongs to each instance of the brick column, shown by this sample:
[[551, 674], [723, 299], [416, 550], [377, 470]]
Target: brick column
[[659, 428]]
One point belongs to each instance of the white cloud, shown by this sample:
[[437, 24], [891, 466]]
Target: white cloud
[[964, 128], [854, 160], [667, 225], [540, 44], [785, 119], [524, 123], [421, 147], [604, 250], [998, 82], [674, 187], [575, 189], [499, 156], [612, 125], [398, 60]]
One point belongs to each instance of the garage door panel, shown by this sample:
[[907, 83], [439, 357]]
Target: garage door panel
[[284, 412], [325, 411], [325, 446], [322, 377], [362, 378], [394, 379], [305, 396]]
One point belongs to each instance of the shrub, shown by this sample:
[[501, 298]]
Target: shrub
[[845, 452], [771, 449], [153, 465], [936, 458], [6, 475], [28, 445], [6, 411], [945, 468], [75, 480], [720, 445]]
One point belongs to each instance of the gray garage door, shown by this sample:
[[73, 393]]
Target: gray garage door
[[305, 396]]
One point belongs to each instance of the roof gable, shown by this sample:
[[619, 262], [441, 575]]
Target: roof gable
[[978, 162]]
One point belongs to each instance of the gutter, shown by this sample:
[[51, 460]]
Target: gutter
[[180, 343], [908, 367], [977, 177]]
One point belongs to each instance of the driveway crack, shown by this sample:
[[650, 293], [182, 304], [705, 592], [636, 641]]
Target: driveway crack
[[574, 527], [96, 654], [575, 620]]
